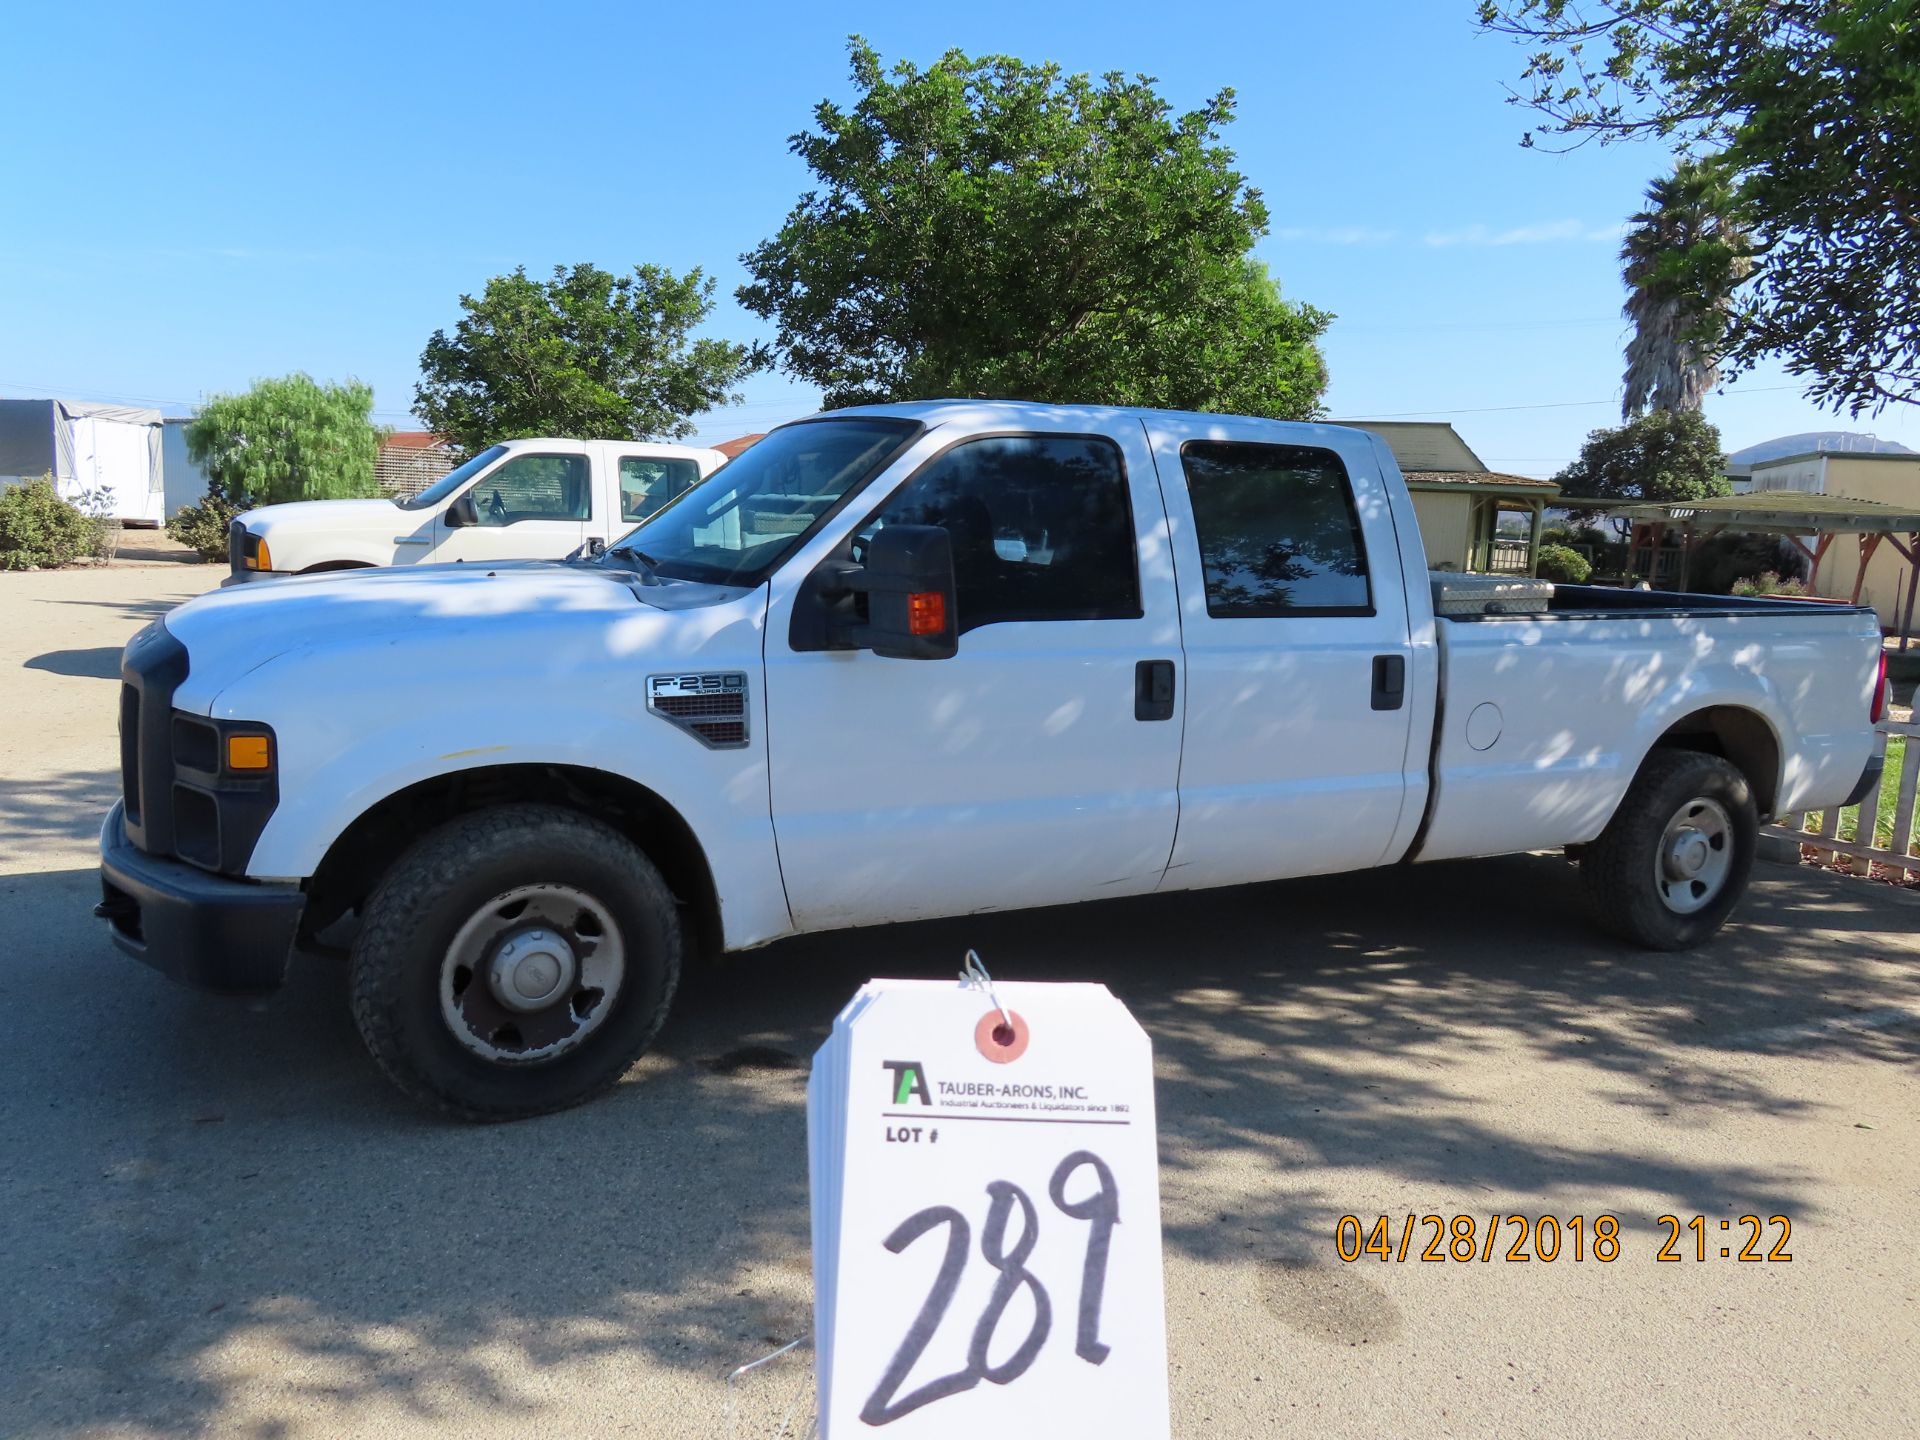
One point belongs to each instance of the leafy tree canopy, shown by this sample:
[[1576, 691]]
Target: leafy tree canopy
[[1810, 111], [1667, 455], [287, 439], [990, 228], [587, 355]]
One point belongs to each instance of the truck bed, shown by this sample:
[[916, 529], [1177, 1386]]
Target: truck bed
[[1587, 602], [1544, 716]]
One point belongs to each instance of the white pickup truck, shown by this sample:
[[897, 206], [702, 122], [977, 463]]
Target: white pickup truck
[[521, 500], [909, 661]]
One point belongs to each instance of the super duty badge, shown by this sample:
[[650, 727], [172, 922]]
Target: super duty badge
[[712, 707]]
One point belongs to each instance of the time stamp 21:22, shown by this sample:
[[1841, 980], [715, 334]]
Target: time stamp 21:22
[[1467, 1239]]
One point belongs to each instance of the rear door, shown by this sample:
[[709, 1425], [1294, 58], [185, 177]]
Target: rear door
[[1029, 768], [1295, 627], [534, 505]]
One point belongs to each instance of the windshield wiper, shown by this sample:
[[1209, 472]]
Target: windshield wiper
[[646, 565]]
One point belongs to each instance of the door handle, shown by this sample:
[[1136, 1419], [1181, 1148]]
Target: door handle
[[1389, 681], [1153, 690]]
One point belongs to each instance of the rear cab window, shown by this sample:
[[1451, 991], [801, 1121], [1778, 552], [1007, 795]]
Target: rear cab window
[[1278, 530], [648, 482]]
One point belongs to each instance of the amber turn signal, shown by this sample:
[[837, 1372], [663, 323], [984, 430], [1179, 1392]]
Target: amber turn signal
[[258, 557], [926, 612], [248, 752]]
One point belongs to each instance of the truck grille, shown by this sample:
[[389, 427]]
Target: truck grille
[[130, 750], [150, 671]]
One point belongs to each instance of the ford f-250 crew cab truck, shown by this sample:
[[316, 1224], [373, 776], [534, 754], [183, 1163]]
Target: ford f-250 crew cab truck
[[911, 661], [521, 500]]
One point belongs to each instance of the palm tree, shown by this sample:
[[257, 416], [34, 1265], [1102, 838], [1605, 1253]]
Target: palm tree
[[1682, 259]]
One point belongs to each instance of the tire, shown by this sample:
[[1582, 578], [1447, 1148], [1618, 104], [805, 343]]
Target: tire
[[1684, 809], [515, 899]]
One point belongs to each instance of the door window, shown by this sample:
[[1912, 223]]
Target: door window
[[533, 487], [647, 482], [1278, 531], [1041, 527]]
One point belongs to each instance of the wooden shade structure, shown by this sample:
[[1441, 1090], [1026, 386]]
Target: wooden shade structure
[[1810, 523]]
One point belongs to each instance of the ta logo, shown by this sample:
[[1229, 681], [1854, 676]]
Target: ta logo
[[909, 1078]]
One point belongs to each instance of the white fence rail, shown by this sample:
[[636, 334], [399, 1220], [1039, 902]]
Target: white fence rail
[[1885, 836]]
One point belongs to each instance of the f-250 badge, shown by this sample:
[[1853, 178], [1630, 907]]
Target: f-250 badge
[[711, 707]]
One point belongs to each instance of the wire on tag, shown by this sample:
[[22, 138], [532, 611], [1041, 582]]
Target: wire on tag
[[1002, 1041], [975, 974], [731, 1413]]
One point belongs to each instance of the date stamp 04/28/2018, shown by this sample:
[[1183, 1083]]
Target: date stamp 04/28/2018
[[1482, 1239]]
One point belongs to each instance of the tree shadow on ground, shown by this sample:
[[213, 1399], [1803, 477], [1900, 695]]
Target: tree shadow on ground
[[198, 1187], [50, 809], [100, 663]]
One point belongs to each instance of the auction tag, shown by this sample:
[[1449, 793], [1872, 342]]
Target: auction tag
[[986, 1216]]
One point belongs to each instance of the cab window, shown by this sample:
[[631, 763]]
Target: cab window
[[1041, 527], [533, 487], [648, 482], [1278, 531]]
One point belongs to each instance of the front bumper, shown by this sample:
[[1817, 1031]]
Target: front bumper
[[201, 929]]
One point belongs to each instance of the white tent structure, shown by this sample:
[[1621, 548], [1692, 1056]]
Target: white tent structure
[[110, 450]]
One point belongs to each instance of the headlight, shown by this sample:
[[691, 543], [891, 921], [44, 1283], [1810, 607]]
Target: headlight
[[254, 553]]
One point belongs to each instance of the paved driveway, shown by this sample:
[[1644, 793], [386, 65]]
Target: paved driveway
[[216, 1218]]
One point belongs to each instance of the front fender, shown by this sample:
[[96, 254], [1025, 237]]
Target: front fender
[[356, 726]]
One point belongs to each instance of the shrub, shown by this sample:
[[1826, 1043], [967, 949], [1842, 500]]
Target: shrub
[[1719, 564], [39, 530], [1768, 583], [103, 527], [1568, 567], [203, 527]]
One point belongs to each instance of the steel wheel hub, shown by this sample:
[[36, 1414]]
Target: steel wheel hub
[[1695, 856], [531, 969], [531, 974]]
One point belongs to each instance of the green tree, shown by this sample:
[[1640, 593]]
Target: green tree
[[1682, 258], [989, 228], [1809, 112], [287, 439], [1666, 455], [587, 355]]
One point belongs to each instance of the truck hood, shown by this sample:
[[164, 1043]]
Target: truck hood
[[314, 517], [486, 609]]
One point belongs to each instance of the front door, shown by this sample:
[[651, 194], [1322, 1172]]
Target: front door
[[1299, 666], [1028, 769], [529, 507]]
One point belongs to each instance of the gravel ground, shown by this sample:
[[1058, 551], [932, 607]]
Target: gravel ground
[[217, 1219]]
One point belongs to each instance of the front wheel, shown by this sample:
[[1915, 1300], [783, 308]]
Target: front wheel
[[515, 961], [1675, 858]]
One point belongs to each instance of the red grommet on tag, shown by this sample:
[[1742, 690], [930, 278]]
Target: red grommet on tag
[[999, 1040]]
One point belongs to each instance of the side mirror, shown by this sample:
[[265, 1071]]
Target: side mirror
[[461, 512], [908, 580]]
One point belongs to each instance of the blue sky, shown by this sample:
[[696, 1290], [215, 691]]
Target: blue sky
[[194, 196]]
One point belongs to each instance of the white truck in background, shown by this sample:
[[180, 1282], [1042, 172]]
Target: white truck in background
[[520, 500], [920, 660]]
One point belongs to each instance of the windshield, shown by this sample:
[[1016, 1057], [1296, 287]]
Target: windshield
[[448, 483], [749, 515]]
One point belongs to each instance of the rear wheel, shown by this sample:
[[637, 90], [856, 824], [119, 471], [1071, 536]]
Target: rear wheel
[[515, 961], [1676, 857]]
